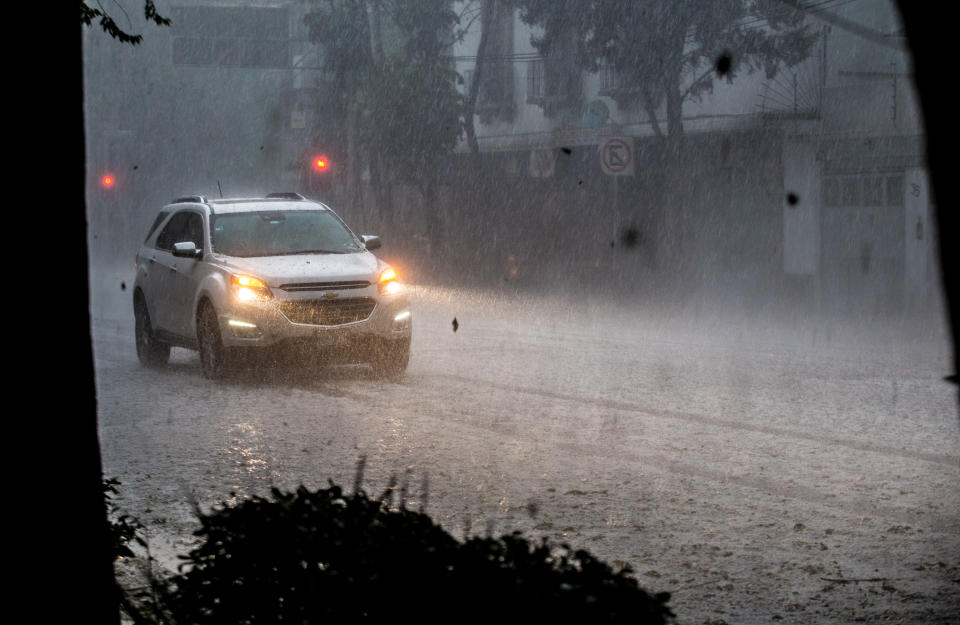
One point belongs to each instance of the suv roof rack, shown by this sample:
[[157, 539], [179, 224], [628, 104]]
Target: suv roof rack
[[190, 198], [286, 195]]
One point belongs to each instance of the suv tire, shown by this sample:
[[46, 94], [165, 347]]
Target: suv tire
[[150, 351], [213, 356], [391, 358]]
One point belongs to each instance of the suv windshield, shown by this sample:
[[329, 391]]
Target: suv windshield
[[277, 233]]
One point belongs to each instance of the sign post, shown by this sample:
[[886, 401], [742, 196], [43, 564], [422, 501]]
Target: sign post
[[616, 159]]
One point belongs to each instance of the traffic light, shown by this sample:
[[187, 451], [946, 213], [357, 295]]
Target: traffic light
[[321, 163], [318, 178]]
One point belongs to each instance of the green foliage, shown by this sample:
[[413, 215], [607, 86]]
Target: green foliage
[[326, 556], [341, 29], [666, 51], [88, 14], [413, 112], [388, 65]]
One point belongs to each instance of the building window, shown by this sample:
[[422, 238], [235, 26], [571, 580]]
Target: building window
[[611, 81], [831, 192], [192, 51], [869, 191], [850, 191], [895, 190], [608, 79], [873, 191], [535, 91], [252, 37]]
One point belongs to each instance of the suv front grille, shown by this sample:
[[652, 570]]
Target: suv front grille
[[325, 286], [333, 312]]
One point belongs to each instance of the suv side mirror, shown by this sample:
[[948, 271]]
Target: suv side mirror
[[371, 242], [187, 249]]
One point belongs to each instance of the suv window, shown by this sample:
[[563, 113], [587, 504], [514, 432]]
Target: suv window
[[275, 233], [185, 226], [156, 222]]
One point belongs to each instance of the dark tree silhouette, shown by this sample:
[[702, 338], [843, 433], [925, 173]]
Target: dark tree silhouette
[[926, 31], [88, 14], [96, 596]]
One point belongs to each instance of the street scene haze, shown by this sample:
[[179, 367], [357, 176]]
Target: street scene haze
[[658, 280]]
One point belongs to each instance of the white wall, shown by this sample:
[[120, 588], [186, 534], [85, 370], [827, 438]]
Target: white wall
[[801, 221]]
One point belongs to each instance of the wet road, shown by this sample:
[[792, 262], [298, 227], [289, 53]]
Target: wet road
[[739, 464]]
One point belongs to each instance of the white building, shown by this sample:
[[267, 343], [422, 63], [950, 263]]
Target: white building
[[812, 182]]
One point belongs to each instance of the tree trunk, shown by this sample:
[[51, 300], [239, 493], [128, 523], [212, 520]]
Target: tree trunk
[[379, 169], [488, 9], [673, 185], [435, 229], [352, 197], [375, 16], [382, 188], [78, 528]]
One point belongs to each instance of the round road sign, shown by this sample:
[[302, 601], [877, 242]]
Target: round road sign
[[616, 156]]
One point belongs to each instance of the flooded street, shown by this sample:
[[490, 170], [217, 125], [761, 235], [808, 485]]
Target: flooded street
[[750, 471]]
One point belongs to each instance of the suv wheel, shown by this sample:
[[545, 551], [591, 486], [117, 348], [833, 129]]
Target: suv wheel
[[150, 351], [213, 356], [390, 360]]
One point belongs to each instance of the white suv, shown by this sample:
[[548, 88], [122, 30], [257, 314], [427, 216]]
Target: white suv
[[280, 276]]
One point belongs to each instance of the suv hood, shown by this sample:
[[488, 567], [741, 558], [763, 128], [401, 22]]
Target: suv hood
[[278, 270]]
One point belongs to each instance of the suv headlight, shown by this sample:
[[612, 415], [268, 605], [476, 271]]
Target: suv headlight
[[387, 283], [249, 289]]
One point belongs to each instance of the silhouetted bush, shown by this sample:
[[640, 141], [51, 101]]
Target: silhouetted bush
[[325, 556], [124, 529]]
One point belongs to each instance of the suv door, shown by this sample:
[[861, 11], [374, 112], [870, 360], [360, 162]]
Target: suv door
[[146, 266], [175, 277]]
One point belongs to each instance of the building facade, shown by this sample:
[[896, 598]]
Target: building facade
[[810, 184]]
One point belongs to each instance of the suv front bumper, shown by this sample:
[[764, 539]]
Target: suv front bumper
[[308, 321]]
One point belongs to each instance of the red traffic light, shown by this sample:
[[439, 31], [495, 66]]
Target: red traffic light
[[107, 181], [321, 163]]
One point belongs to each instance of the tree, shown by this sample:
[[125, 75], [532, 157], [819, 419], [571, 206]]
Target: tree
[[487, 12], [393, 105], [926, 30], [109, 25], [341, 29], [662, 54], [414, 108], [665, 52], [84, 494]]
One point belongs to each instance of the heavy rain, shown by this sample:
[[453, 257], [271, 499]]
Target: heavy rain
[[672, 269]]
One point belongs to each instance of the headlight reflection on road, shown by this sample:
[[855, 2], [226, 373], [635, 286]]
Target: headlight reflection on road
[[247, 450]]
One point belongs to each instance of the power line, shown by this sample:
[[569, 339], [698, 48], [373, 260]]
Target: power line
[[812, 8], [755, 23], [851, 26]]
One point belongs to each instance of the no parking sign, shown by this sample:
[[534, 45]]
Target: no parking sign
[[616, 156]]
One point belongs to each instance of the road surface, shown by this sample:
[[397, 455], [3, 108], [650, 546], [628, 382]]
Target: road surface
[[759, 471]]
